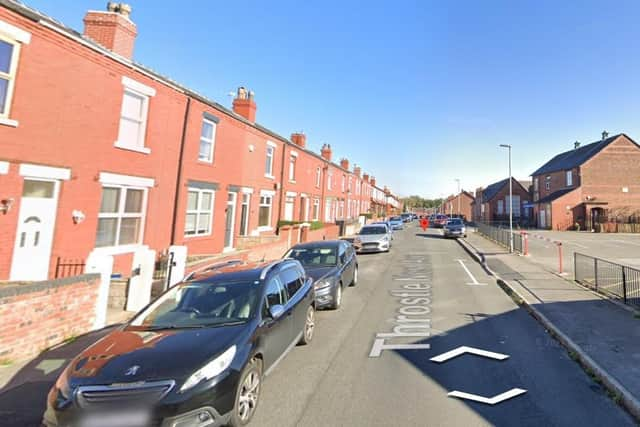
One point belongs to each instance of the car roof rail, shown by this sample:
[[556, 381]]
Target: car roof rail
[[268, 268], [212, 267]]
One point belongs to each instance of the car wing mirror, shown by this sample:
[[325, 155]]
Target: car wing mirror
[[276, 311]]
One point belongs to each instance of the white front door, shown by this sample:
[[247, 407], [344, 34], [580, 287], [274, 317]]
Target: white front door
[[543, 218], [288, 209], [34, 237], [230, 220]]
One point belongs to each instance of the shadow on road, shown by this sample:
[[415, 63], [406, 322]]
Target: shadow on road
[[559, 393], [23, 398]]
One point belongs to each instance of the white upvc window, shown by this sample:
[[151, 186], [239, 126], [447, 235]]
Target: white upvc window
[[292, 168], [11, 38], [199, 212], [535, 184], [344, 183], [121, 216], [327, 210], [207, 141], [264, 212], [569, 179], [133, 116], [316, 209], [330, 180], [268, 166], [318, 177]]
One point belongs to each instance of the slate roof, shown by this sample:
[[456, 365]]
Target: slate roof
[[489, 192], [574, 158], [555, 195]]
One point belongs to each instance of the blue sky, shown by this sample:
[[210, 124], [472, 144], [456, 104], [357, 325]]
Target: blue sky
[[418, 93]]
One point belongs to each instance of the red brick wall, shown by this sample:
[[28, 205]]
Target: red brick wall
[[563, 216], [557, 181], [492, 208], [328, 232], [43, 314], [605, 175]]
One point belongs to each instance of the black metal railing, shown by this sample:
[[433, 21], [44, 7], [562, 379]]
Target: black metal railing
[[69, 267], [501, 236], [615, 280]]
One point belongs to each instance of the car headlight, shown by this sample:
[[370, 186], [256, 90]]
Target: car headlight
[[322, 284], [211, 369]]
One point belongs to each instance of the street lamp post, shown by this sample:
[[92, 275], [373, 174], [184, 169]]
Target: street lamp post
[[458, 181], [510, 200]]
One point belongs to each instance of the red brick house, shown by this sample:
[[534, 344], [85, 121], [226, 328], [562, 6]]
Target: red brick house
[[491, 204], [459, 204], [589, 184], [101, 154]]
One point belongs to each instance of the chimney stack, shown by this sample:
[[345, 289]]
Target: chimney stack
[[344, 164], [300, 139], [605, 135], [112, 28], [244, 104], [576, 145], [365, 177], [373, 180], [357, 171], [325, 152]]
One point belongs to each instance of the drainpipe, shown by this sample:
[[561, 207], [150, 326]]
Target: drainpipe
[[284, 151], [179, 176]]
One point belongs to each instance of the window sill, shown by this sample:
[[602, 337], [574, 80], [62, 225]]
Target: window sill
[[266, 175], [265, 228], [144, 150], [195, 236], [206, 162], [8, 122], [292, 181]]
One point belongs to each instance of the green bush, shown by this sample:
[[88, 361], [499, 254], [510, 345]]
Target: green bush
[[315, 225]]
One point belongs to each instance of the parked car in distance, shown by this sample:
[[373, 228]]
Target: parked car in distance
[[439, 221], [332, 264], [196, 356], [396, 223], [374, 238], [407, 217], [455, 228]]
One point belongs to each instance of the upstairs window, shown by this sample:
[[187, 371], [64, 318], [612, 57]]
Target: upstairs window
[[330, 180], [569, 179], [547, 183], [133, 116], [8, 66], [318, 177], [292, 168], [268, 166], [344, 179], [207, 141]]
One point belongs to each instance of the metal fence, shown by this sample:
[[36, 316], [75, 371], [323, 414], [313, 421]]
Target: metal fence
[[69, 267], [500, 236], [615, 280]]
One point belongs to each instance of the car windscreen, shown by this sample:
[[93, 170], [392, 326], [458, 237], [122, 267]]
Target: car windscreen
[[201, 304], [396, 218], [373, 230], [318, 256], [455, 222]]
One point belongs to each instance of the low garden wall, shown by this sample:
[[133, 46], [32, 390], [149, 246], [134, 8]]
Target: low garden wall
[[39, 315]]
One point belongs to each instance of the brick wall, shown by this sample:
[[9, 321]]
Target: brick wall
[[40, 315], [328, 232]]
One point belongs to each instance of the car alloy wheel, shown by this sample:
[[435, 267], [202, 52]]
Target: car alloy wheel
[[248, 394], [355, 277], [309, 326]]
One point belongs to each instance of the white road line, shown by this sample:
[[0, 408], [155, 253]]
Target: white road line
[[576, 244], [471, 350], [473, 279], [489, 401], [625, 241]]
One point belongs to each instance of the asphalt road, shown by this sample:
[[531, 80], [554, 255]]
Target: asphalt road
[[336, 382]]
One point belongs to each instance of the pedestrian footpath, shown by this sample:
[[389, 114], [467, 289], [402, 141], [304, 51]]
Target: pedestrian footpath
[[601, 335]]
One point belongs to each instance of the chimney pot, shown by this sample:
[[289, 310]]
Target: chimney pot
[[344, 164], [605, 134], [325, 152], [244, 104], [112, 29], [300, 139], [576, 144], [357, 171]]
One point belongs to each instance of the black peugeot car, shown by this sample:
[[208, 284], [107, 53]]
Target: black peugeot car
[[194, 357], [332, 264]]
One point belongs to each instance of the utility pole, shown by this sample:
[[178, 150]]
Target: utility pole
[[458, 180], [510, 200]]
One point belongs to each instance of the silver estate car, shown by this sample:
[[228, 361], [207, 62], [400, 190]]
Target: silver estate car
[[455, 228], [373, 238]]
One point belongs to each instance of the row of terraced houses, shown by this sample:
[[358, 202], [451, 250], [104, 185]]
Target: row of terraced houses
[[99, 154]]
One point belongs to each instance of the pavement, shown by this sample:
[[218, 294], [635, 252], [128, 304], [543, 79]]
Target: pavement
[[369, 364], [604, 336]]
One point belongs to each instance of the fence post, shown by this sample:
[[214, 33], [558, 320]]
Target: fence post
[[624, 285], [595, 268], [560, 256]]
